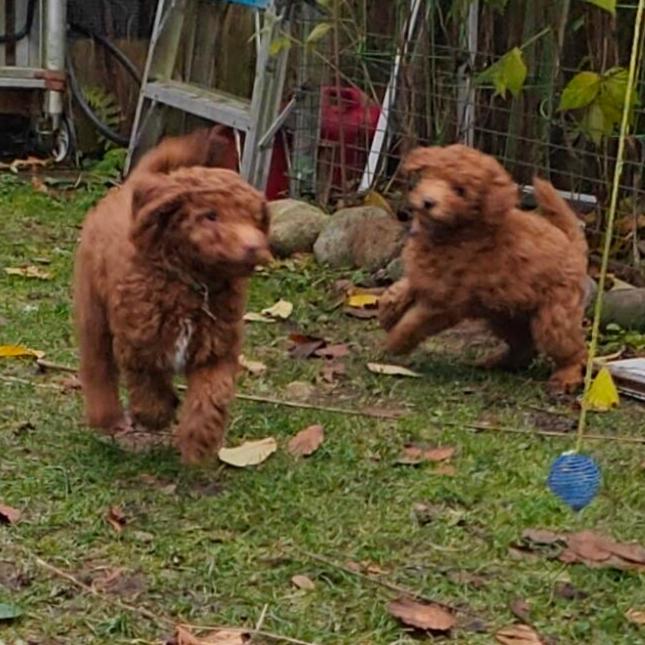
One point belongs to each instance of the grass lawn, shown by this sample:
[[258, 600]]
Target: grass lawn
[[219, 546]]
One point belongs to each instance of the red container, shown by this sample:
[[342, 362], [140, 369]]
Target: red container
[[350, 116]]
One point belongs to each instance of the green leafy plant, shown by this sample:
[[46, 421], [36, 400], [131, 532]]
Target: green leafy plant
[[607, 5], [508, 73], [106, 107], [599, 100]]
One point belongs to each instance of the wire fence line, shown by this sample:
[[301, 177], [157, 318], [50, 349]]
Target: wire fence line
[[540, 85]]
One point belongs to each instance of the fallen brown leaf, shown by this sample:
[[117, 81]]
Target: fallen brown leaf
[[520, 609], [413, 454], [220, 637], [9, 515], [518, 635], [303, 346], [307, 441], [541, 536], [422, 615], [333, 351], [116, 518], [391, 370], [467, 578], [331, 370], [636, 616], [252, 367], [567, 591], [303, 582]]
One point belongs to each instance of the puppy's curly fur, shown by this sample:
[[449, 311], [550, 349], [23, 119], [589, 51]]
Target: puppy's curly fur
[[159, 287], [473, 254]]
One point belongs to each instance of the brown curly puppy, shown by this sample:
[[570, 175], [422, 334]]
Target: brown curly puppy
[[473, 254], [160, 282]]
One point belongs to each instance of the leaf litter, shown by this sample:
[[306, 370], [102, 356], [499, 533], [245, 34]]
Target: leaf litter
[[250, 453], [413, 454], [29, 272], [116, 518], [518, 634], [307, 441], [392, 370], [9, 515], [584, 547], [303, 582], [183, 636], [422, 615]]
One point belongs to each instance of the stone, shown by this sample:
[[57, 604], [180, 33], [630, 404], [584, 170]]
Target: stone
[[394, 270], [361, 237], [624, 307], [295, 226]]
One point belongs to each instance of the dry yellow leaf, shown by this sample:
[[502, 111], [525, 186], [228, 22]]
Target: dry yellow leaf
[[281, 309], [392, 370], [253, 317], [250, 453], [362, 300], [303, 582], [29, 272], [19, 351], [636, 616], [602, 394], [518, 635], [253, 367]]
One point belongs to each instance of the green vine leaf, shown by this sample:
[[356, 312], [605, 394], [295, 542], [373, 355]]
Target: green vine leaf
[[580, 91], [508, 73], [607, 5], [318, 32], [279, 44], [601, 99]]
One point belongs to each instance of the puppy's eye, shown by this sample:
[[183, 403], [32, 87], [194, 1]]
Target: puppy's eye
[[460, 190], [211, 216]]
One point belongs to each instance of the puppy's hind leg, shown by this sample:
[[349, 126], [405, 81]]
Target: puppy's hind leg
[[152, 398], [98, 370], [558, 332], [417, 323], [204, 413], [520, 350]]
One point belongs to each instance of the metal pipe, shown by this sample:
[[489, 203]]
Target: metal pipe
[[55, 34]]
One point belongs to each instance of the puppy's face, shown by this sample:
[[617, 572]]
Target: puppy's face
[[204, 219], [457, 187]]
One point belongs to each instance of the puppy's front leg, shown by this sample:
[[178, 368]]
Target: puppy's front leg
[[204, 413], [417, 323], [152, 398]]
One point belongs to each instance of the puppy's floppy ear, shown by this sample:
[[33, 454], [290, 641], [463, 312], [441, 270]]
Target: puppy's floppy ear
[[417, 159], [501, 194], [221, 149], [154, 202], [265, 219]]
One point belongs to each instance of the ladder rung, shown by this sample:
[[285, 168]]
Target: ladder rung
[[212, 105]]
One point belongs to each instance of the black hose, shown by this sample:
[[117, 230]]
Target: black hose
[[102, 128], [128, 65], [14, 38], [77, 93]]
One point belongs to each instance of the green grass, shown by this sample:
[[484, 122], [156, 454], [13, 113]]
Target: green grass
[[225, 543]]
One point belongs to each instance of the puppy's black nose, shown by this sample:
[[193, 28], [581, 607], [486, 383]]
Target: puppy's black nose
[[429, 203]]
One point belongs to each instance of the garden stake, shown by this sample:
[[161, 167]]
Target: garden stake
[[575, 477]]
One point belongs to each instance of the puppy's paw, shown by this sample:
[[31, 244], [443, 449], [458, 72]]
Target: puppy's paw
[[394, 303]]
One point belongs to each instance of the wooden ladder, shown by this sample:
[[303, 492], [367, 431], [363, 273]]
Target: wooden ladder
[[254, 117]]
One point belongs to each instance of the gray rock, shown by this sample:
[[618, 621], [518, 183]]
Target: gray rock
[[294, 226], [624, 307], [364, 237], [394, 270]]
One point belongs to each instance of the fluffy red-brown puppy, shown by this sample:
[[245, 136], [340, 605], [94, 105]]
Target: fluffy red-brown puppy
[[473, 254], [160, 283]]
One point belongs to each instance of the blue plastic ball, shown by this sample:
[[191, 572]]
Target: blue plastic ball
[[575, 479]]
